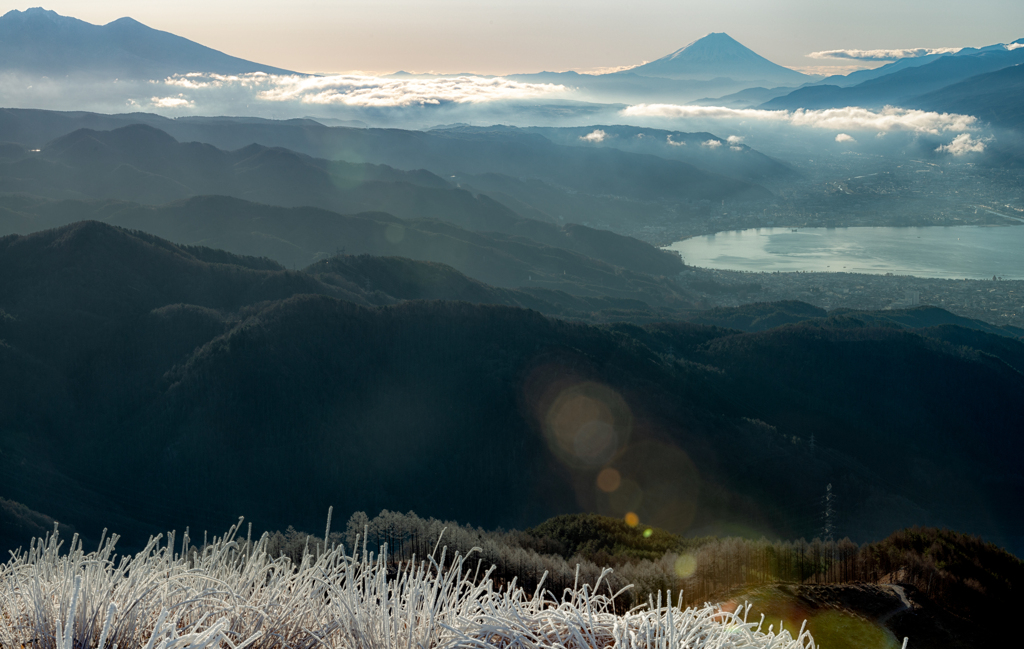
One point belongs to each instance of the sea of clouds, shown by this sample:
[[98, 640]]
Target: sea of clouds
[[356, 90], [407, 101], [888, 128]]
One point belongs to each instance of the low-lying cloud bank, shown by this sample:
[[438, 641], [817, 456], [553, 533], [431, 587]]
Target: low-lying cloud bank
[[838, 119], [883, 55], [362, 91], [962, 145]]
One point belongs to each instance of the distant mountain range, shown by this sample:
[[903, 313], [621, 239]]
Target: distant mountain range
[[44, 43], [930, 83], [571, 167], [996, 97], [860, 76]]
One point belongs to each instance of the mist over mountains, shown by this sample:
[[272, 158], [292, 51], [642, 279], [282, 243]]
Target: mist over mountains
[[229, 289], [164, 73]]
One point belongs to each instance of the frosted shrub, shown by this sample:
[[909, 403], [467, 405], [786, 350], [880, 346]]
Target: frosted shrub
[[234, 594]]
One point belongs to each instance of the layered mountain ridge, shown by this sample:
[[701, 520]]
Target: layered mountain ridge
[[130, 363]]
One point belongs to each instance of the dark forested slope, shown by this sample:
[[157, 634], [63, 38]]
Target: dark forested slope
[[149, 386]]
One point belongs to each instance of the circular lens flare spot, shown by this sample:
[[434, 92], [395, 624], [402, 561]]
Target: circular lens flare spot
[[609, 480], [587, 425], [595, 442], [685, 565], [632, 519], [648, 533]]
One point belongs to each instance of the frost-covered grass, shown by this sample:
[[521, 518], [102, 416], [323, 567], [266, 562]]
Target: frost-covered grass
[[232, 593]]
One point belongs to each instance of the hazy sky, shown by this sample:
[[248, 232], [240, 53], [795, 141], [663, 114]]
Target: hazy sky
[[505, 36]]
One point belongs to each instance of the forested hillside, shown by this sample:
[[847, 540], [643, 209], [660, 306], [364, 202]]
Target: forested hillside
[[131, 363]]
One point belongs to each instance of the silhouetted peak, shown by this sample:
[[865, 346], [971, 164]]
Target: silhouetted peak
[[34, 13], [716, 46], [127, 20], [133, 136], [38, 18], [717, 55]]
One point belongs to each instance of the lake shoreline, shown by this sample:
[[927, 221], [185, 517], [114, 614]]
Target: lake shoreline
[[937, 252]]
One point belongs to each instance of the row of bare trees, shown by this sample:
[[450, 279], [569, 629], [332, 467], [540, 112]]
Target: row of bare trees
[[702, 570]]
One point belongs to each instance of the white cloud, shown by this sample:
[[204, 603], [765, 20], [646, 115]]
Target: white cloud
[[171, 102], [843, 137], [843, 70], [735, 139], [712, 144], [736, 148], [850, 118], [610, 69], [367, 91], [668, 138], [882, 55], [596, 136], [1013, 46], [962, 144]]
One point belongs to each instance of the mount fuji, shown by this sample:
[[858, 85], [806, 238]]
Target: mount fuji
[[719, 55]]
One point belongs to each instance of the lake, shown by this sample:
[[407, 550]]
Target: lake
[[975, 252]]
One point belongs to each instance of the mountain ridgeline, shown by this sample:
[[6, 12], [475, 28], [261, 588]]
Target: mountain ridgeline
[[981, 82], [131, 363], [41, 42], [496, 179]]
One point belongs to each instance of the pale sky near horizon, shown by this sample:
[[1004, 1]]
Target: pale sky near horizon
[[507, 36]]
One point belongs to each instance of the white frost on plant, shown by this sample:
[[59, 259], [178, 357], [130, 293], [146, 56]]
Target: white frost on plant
[[232, 594]]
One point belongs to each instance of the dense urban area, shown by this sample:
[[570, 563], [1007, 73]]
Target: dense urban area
[[841, 193], [999, 302]]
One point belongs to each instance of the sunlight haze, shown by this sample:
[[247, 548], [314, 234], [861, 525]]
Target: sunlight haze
[[504, 36]]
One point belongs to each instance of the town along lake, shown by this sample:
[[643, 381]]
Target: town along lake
[[957, 252]]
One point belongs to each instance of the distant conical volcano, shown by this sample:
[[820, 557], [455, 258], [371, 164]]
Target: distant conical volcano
[[720, 55]]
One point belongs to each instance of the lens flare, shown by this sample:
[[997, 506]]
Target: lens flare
[[632, 519], [587, 425], [627, 498], [648, 533], [659, 482], [608, 480], [685, 565]]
